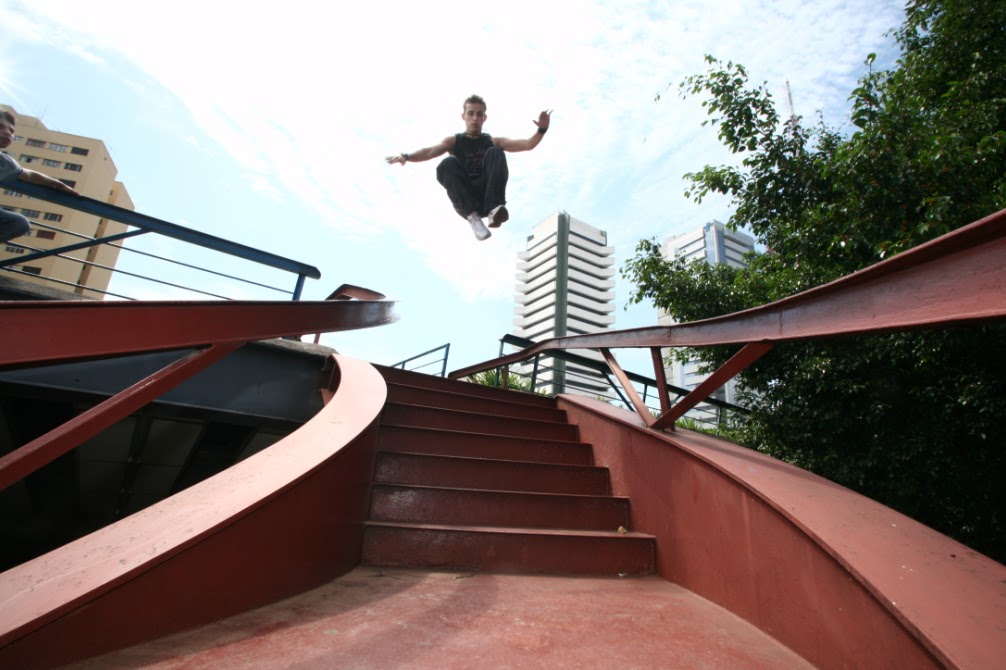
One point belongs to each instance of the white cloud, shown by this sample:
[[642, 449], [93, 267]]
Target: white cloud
[[310, 97]]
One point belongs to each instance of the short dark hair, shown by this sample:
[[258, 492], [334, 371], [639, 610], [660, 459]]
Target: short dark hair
[[7, 116], [475, 100]]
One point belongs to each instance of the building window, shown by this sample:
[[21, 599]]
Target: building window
[[69, 182], [49, 216], [32, 270], [15, 194], [17, 138], [58, 147], [46, 234], [35, 143], [25, 158], [73, 167], [80, 151], [48, 162], [31, 213], [11, 249]]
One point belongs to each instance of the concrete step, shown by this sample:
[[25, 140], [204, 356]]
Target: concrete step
[[489, 474], [502, 447], [398, 376], [447, 419], [415, 395], [471, 507], [502, 549]]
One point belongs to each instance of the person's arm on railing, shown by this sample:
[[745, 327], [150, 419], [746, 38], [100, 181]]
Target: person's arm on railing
[[33, 177]]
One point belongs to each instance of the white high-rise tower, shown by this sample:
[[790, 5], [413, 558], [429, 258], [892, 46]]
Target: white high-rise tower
[[565, 287]]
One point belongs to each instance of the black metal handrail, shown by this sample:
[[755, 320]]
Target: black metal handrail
[[442, 360], [650, 386], [142, 224]]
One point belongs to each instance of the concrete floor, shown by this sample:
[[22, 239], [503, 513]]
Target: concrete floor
[[386, 618]]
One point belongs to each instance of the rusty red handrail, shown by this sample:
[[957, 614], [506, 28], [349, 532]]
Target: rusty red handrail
[[956, 279]]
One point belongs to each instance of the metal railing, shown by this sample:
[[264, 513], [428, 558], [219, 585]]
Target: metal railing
[[954, 280], [593, 378], [141, 224], [427, 359]]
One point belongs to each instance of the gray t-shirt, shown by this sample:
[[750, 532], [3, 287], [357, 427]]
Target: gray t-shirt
[[8, 167]]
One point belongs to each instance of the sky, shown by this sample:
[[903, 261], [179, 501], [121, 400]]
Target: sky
[[268, 124]]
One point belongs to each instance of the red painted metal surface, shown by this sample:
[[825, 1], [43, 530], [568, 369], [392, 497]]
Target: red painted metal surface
[[420, 440], [471, 403], [33, 333], [37, 332], [351, 292], [407, 378], [284, 520], [661, 378], [738, 362], [459, 507], [526, 550], [483, 473], [627, 386], [838, 578], [389, 619], [417, 415], [26, 459], [480, 507]]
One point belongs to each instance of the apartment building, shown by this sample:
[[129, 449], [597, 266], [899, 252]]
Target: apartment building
[[84, 164], [713, 243]]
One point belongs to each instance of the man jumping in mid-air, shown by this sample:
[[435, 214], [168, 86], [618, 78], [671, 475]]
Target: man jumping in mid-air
[[475, 173]]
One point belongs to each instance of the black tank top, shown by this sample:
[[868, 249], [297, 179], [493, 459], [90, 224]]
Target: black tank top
[[470, 151]]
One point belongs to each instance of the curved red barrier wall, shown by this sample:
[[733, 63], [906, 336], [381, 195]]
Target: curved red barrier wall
[[840, 579], [276, 524]]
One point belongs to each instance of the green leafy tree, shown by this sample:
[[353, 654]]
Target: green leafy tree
[[915, 420]]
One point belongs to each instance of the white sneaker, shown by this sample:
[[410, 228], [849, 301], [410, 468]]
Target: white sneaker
[[479, 228], [498, 216]]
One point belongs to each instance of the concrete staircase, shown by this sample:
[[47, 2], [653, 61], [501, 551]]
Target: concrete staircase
[[474, 478]]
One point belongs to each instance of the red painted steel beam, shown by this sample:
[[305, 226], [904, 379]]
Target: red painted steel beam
[[661, 379], [49, 331], [630, 390], [28, 458], [738, 362], [956, 279], [352, 292]]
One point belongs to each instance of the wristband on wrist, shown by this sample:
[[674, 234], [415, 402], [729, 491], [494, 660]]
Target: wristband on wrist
[[405, 157], [542, 131]]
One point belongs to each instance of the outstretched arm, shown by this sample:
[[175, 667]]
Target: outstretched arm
[[544, 119], [33, 177], [424, 154]]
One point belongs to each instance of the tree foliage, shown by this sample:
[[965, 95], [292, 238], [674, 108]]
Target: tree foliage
[[915, 420], [494, 378]]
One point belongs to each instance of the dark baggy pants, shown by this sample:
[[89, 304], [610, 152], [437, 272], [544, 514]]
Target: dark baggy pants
[[481, 194], [12, 225]]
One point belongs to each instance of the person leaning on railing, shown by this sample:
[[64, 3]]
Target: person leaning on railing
[[13, 224]]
